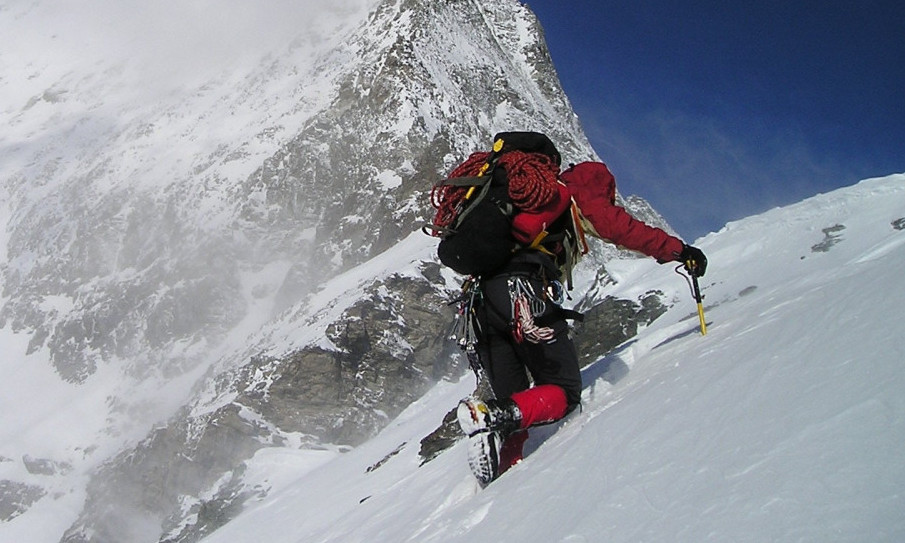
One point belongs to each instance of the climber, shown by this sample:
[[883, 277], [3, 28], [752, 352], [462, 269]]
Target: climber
[[521, 335]]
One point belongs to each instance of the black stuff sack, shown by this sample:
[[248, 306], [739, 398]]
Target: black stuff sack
[[481, 244]]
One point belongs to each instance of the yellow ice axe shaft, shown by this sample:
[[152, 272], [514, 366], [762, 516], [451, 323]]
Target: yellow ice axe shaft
[[697, 298]]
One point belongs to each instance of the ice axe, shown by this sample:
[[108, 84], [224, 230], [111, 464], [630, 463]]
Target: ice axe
[[696, 292], [699, 301]]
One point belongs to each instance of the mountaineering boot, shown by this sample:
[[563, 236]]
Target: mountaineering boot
[[475, 416], [484, 456], [487, 424]]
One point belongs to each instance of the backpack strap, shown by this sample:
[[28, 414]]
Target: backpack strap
[[483, 180], [467, 181], [571, 238]]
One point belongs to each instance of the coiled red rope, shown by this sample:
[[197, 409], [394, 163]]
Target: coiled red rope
[[532, 179], [446, 198]]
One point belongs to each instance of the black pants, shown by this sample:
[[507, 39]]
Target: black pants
[[509, 363]]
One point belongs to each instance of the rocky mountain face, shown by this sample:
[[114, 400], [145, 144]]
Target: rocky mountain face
[[277, 263]]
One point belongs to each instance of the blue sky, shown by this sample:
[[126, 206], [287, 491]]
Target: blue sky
[[714, 111]]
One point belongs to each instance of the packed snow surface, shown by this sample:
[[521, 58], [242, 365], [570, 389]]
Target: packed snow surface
[[784, 423]]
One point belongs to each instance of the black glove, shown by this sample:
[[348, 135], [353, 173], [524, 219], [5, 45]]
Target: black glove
[[694, 260]]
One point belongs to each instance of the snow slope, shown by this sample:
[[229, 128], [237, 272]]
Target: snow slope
[[784, 423]]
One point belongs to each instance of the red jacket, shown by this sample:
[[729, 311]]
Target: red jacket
[[593, 188]]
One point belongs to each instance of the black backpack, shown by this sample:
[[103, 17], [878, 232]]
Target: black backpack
[[475, 210]]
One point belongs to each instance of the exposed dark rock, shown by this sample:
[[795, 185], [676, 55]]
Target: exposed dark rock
[[43, 466], [613, 321], [385, 358], [16, 498], [831, 236]]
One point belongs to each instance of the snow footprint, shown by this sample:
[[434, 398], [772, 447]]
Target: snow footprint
[[476, 517]]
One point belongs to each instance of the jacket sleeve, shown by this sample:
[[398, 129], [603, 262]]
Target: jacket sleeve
[[613, 223], [593, 188]]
